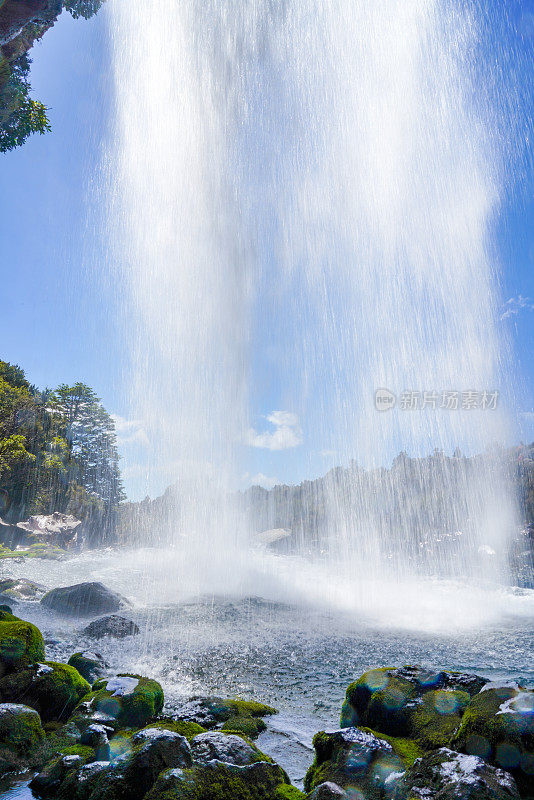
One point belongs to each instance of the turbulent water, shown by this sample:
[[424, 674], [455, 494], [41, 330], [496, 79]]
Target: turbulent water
[[301, 207], [291, 647]]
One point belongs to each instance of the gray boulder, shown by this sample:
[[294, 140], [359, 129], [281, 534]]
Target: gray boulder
[[83, 599], [115, 626], [353, 758], [447, 775], [20, 589], [229, 748]]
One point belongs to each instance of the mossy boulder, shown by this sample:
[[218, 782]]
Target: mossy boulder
[[52, 689], [287, 792], [124, 701], [49, 780], [181, 726], [219, 781], [355, 758], [498, 725], [20, 728], [211, 711], [21, 644], [21, 589], [227, 747], [130, 776], [449, 775], [91, 666], [6, 615], [395, 702], [250, 726]]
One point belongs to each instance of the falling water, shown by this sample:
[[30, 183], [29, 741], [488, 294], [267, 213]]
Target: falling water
[[306, 191]]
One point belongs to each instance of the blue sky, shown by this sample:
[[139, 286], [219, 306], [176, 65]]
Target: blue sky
[[61, 327]]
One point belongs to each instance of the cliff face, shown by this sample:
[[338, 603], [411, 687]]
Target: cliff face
[[22, 22]]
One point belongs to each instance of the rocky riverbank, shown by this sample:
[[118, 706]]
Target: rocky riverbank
[[83, 731]]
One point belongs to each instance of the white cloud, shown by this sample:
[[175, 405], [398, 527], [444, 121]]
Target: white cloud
[[328, 453], [514, 305], [129, 431], [262, 480], [287, 432]]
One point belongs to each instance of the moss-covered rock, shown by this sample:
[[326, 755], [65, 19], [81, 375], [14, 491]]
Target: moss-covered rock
[[211, 711], [218, 781], [410, 702], [181, 726], [21, 589], [52, 689], [498, 725], [448, 775], [21, 644], [20, 728], [250, 726], [406, 749], [91, 666], [227, 747], [130, 776], [355, 758], [6, 615], [49, 780], [287, 792], [125, 701]]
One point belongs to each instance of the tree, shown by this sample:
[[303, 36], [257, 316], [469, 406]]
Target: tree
[[20, 114]]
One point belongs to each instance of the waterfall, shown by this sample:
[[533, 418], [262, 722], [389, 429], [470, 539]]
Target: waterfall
[[302, 204]]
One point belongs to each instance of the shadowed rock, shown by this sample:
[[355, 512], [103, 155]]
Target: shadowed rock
[[84, 599]]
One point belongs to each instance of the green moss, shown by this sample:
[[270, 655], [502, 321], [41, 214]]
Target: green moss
[[219, 781], [131, 710], [434, 722], [406, 749], [503, 739], [183, 727], [20, 730], [7, 616], [87, 753], [250, 726], [21, 644], [286, 792], [249, 708], [89, 668], [51, 688]]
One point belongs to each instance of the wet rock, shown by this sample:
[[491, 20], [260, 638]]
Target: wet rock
[[20, 729], [91, 666], [498, 725], [83, 599], [211, 711], [121, 701], [447, 775], [260, 781], [96, 736], [410, 702], [115, 626], [20, 589], [352, 757], [228, 748], [47, 782], [50, 688], [55, 529], [21, 644], [328, 791], [130, 776]]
